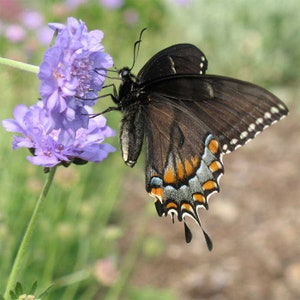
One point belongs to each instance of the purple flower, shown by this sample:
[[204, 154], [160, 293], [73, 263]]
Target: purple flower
[[73, 71], [44, 35], [58, 129], [49, 146]]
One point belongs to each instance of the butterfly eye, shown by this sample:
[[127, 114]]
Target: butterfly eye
[[124, 73]]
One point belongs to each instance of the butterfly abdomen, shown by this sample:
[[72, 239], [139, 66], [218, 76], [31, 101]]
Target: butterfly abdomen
[[132, 134]]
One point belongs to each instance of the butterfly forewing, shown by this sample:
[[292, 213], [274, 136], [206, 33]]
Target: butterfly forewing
[[234, 111], [177, 59]]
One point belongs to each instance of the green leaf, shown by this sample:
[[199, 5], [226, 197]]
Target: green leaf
[[45, 292], [33, 288], [13, 295], [19, 289]]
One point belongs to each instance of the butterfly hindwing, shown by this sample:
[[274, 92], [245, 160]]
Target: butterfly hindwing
[[192, 121], [183, 162]]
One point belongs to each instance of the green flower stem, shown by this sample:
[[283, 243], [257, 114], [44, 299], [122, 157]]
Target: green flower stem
[[130, 260], [27, 235], [19, 65]]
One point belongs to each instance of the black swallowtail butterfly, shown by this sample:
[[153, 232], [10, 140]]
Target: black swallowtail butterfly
[[188, 120]]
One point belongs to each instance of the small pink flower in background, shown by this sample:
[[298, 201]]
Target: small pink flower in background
[[10, 10], [73, 4], [32, 19], [112, 4], [15, 33], [106, 271], [182, 2], [131, 16]]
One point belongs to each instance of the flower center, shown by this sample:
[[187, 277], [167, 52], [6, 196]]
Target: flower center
[[82, 69]]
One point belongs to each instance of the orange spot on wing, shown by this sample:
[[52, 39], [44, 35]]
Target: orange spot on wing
[[195, 161], [209, 185], [180, 170], [215, 166], [158, 193], [169, 176], [171, 205], [187, 207], [188, 168], [199, 198], [213, 146]]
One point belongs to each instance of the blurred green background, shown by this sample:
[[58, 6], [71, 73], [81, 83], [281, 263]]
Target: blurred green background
[[94, 228]]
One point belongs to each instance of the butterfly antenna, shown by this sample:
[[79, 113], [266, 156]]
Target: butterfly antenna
[[136, 48], [106, 71]]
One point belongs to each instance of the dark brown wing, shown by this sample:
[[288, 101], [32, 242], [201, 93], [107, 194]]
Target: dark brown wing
[[235, 111], [183, 162], [176, 59], [190, 122]]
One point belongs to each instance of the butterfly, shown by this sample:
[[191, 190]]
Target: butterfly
[[187, 120]]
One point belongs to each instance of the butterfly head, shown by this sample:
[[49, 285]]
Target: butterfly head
[[126, 75], [128, 89]]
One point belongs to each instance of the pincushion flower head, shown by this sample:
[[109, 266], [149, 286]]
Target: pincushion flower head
[[73, 72], [59, 129], [49, 147]]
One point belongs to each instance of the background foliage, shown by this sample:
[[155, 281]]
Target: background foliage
[[77, 245]]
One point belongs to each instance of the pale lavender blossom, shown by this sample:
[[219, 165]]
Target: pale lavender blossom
[[73, 70], [59, 128], [48, 146]]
